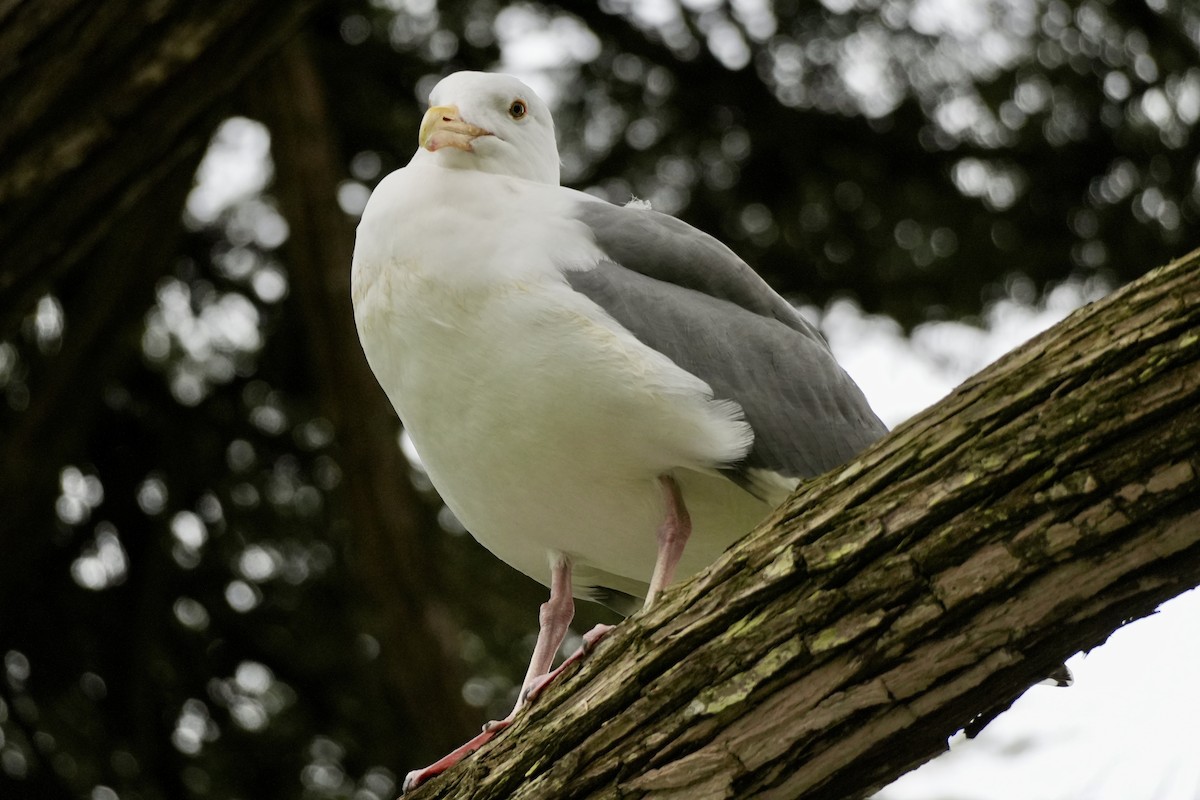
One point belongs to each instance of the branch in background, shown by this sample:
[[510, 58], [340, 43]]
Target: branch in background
[[85, 138], [1049, 500]]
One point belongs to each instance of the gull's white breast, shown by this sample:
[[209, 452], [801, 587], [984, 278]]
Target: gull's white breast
[[542, 422]]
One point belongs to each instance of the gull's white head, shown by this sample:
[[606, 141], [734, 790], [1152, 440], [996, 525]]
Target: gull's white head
[[492, 123]]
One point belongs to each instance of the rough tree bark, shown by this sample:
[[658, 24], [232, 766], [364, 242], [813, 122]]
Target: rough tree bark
[[1046, 502]]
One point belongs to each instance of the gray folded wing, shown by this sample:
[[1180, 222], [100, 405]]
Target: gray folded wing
[[689, 297]]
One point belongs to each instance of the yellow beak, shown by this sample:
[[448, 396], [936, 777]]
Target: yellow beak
[[443, 127]]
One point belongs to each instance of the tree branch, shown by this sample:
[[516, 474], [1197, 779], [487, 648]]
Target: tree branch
[[98, 104], [1046, 502]]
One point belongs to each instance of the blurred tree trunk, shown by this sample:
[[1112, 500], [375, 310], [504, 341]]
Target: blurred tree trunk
[[67, 388], [419, 646], [105, 109], [916, 591]]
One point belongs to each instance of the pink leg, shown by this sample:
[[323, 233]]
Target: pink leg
[[535, 687], [673, 535], [554, 617], [418, 776]]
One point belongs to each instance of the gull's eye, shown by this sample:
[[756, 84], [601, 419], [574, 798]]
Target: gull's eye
[[518, 109]]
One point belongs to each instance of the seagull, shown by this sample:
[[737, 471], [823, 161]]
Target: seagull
[[603, 395]]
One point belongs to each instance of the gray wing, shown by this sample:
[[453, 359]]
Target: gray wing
[[689, 297]]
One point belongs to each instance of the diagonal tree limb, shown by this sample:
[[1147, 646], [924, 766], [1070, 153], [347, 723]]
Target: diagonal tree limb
[[1046, 502]]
